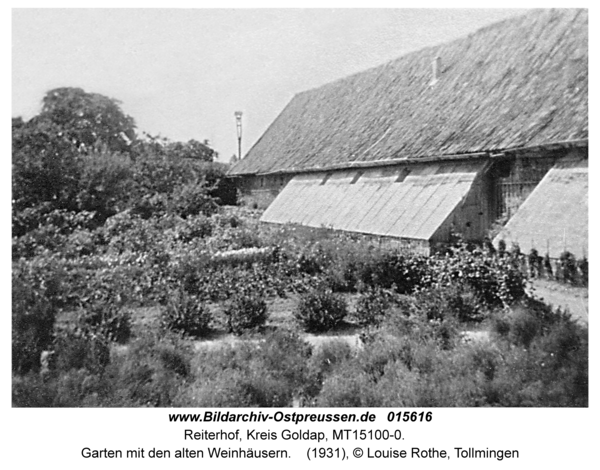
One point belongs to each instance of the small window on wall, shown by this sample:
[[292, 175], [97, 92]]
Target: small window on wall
[[357, 176], [404, 172], [262, 181]]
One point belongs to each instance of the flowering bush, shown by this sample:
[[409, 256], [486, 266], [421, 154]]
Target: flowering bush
[[495, 279]]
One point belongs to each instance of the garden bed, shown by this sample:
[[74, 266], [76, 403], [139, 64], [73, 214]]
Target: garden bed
[[152, 313]]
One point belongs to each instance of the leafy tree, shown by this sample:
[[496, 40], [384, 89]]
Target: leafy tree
[[191, 149], [45, 165], [55, 153], [51, 173], [81, 153], [89, 118]]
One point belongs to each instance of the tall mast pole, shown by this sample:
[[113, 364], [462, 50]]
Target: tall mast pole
[[238, 123]]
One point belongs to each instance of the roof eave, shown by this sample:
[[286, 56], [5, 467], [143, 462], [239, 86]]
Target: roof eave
[[500, 153]]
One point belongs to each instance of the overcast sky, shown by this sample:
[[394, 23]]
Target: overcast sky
[[182, 73]]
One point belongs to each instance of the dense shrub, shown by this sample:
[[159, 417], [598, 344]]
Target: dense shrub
[[53, 171], [500, 324], [155, 172], [537, 377], [394, 371], [35, 303], [230, 388], [320, 310], [314, 259], [388, 373], [216, 281], [285, 355], [58, 231], [495, 279], [445, 333], [149, 205], [563, 340], [191, 199], [237, 388], [347, 388], [269, 372], [404, 363], [80, 349], [228, 220], [28, 218], [72, 388], [372, 306], [46, 167], [193, 227], [36, 242], [102, 280], [246, 311], [485, 359], [104, 186], [329, 356], [106, 319], [392, 270], [409, 320], [185, 313], [152, 372], [453, 301], [524, 327], [379, 351], [32, 333], [532, 320], [127, 231], [63, 222]]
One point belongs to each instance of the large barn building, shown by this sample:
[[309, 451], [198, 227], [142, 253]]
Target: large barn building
[[454, 138]]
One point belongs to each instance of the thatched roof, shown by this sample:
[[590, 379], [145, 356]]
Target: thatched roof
[[518, 83]]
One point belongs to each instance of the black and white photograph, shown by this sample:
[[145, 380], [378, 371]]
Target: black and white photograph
[[300, 208]]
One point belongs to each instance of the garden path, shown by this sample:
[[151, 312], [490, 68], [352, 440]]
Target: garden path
[[573, 299]]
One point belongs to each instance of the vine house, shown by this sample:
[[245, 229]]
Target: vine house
[[488, 130]]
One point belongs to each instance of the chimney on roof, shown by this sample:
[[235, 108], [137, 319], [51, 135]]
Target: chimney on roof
[[436, 69]]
